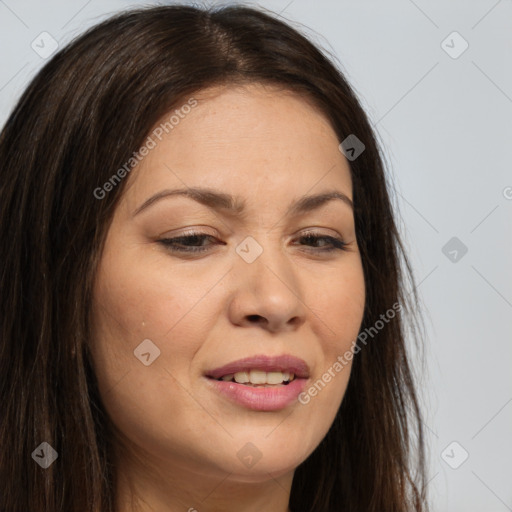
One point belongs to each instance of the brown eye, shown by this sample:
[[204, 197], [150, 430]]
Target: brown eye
[[333, 243], [188, 243]]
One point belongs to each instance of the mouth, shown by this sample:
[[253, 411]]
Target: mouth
[[261, 383]]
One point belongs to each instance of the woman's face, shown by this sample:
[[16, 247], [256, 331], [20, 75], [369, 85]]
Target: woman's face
[[258, 294]]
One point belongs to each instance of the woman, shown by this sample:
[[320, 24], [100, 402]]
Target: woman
[[201, 287]]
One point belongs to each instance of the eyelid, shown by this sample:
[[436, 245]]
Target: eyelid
[[202, 230], [318, 231], [336, 242], [190, 231]]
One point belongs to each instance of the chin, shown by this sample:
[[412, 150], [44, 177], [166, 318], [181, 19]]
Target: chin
[[263, 458]]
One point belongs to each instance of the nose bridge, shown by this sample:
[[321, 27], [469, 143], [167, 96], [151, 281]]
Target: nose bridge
[[264, 262], [266, 284]]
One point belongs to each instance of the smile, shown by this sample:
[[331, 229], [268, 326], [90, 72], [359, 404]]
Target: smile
[[260, 383]]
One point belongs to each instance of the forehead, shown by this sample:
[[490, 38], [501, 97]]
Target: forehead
[[259, 143]]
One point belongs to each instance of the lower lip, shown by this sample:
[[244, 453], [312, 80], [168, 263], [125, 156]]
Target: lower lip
[[272, 398]]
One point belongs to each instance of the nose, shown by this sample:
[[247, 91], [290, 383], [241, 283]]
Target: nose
[[268, 293]]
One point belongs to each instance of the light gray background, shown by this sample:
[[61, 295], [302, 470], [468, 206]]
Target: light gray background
[[446, 127]]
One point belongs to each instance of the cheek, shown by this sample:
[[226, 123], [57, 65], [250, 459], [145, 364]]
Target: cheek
[[145, 336], [338, 304], [338, 313], [136, 303]]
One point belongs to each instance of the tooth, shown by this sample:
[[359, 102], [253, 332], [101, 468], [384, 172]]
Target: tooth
[[241, 377], [260, 377], [275, 377], [257, 377]]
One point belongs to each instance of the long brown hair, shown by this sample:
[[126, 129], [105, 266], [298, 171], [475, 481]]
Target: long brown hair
[[81, 118]]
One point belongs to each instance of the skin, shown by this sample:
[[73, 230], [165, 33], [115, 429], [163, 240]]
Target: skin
[[179, 439]]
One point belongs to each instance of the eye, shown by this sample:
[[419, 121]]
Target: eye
[[334, 244], [191, 242]]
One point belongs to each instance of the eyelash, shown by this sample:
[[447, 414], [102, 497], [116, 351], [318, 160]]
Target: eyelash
[[336, 243]]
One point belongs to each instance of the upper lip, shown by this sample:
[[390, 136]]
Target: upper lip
[[284, 363]]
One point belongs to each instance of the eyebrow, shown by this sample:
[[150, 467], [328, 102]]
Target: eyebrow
[[221, 201]]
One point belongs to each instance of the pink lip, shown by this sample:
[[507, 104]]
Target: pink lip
[[261, 398], [285, 363]]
